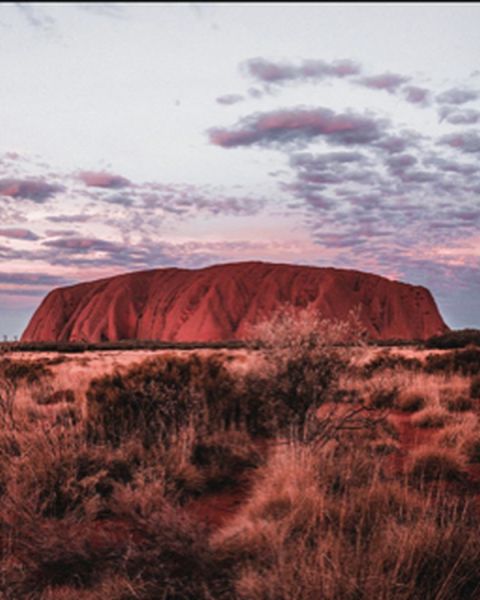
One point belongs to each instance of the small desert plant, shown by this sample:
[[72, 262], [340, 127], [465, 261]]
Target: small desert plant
[[56, 397], [457, 402], [431, 463], [410, 402], [431, 417], [389, 361], [475, 388], [18, 371], [384, 397], [471, 447], [466, 362]]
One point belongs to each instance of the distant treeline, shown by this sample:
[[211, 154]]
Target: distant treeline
[[459, 338], [75, 347], [453, 339]]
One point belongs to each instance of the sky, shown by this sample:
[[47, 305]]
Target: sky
[[138, 136]]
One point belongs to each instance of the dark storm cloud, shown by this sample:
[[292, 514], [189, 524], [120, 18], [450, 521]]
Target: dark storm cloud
[[278, 73], [36, 190], [299, 126]]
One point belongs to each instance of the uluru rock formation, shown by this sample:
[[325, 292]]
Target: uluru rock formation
[[223, 301]]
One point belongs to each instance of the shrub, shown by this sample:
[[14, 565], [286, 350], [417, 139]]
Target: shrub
[[471, 447], [158, 397], [466, 362], [18, 371], [386, 361], [384, 398], [305, 355], [410, 402], [475, 388], [454, 339], [457, 403], [433, 463], [56, 397], [431, 417]]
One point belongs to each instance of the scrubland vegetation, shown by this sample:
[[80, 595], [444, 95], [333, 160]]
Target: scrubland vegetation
[[312, 468]]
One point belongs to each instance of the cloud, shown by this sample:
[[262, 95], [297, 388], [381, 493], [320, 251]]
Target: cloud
[[278, 73], [60, 232], [19, 234], [325, 160], [416, 95], [467, 141], [457, 96], [401, 161], [298, 126], [389, 82], [101, 179], [229, 99], [461, 117], [82, 244], [29, 189], [31, 279], [77, 218], [36, 17], [452, 166], [187, 199], [395, 143]]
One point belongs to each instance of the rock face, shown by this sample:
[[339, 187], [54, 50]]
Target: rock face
[[223, 301]]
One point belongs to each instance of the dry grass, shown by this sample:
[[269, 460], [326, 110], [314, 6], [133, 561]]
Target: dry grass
[[328, 515], [432, 417], [431, 463]]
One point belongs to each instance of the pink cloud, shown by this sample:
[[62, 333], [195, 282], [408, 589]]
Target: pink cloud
[[386, 81], [416, 95], [19, 234], [103, 179], [297, 125], [29, 189]]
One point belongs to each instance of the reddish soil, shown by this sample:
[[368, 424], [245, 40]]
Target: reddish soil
[[215, 509]]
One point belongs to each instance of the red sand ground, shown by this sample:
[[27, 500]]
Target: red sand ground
[[217, 509], [223, 301]]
